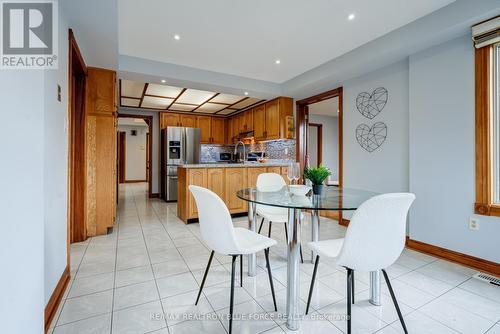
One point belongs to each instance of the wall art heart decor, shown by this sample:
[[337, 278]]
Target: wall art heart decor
[[370, 105], [371, 138]]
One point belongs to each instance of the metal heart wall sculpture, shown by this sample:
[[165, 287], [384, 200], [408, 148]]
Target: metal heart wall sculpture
[[371, 138], [370, 105]]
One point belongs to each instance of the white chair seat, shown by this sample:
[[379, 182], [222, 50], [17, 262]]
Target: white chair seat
[[328, 248], [274, 214], [251, 242]]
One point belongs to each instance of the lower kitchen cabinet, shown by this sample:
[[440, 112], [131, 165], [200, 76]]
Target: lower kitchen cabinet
[[235, 180], [225, 182]]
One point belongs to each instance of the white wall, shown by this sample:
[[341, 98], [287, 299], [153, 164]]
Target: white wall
[[442, 152], [156, 142], [385, 169], [56, 166], [22, 201], [135, 154], [330, 150]]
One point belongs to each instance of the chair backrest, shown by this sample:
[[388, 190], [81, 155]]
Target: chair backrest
[[270, 182], [376, 234], [215, 221]]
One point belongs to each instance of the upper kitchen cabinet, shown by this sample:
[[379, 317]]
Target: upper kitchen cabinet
[[259, 122], [218, 129], [188, 121], [168, 119], [245, 121], [205, 125]]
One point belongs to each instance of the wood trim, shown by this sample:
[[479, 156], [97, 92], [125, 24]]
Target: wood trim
[[122, 155], [142, 95], [135, 181], [56, 297], [483, 90], [453, 256], [344, 222], [319, 129], [154, 195], [176, 98], [149, 121], [301, 122]]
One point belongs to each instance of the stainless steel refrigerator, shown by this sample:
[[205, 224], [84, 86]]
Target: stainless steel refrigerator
[[179, 146]]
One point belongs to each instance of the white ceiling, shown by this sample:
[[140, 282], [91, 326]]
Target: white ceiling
[[131, 121], [245, 38], [325, 108]]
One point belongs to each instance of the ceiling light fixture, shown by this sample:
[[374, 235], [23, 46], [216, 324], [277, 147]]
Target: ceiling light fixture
[[277, 61], [177, 37], [351, 17], [246, 93], [163, 80]]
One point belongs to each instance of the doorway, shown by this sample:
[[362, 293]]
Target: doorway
[[319, 134], [135, 149], [76, 154]]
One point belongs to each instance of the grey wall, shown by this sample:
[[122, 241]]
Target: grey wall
[[385, 169], [156, 141], [330, 142], [442, 152], [56, 165], [135, 154]]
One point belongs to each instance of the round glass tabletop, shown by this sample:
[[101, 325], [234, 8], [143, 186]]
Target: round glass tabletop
[[332, 198]]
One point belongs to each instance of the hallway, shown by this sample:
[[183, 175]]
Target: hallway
[[143, 278]]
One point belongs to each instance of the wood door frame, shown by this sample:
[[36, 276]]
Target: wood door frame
[[149, 121], [76, 144], [301, 128], [302, 118], [122, 155], [319, 134]]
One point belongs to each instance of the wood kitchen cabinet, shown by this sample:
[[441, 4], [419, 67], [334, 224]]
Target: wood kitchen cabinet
[[236, 179], [218, 130], [276, 170], [196, 177], [100, 145], [253, 174], [216, 181], [259, 122], [204, 123], [245, 121], [168, 119], [188, 121]]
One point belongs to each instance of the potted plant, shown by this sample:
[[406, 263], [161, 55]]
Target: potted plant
[[317, 175]]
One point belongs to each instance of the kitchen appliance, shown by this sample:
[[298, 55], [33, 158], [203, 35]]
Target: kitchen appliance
[[179, 146], [255, 156], [225, 157]]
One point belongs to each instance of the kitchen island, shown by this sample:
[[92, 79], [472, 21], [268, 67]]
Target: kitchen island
[[224, 179]]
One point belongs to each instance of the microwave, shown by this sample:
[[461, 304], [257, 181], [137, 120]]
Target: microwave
[[223, 156]]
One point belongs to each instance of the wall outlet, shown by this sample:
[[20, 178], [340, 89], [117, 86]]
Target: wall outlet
[[473, 224]]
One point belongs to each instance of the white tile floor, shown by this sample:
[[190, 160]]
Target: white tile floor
[[152, 265]]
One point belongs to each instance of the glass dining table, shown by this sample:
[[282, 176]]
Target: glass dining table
[[333, 199]]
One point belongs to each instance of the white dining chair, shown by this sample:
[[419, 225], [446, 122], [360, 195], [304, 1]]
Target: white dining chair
[[268, 182], [221, 236], [373, 241]]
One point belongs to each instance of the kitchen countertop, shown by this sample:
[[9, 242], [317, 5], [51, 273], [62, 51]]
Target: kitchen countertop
[[232, 165]]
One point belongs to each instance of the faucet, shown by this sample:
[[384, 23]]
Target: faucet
[[244, 150]]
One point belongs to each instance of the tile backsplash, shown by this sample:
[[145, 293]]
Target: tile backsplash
[[283, 150]]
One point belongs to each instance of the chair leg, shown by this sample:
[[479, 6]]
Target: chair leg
[[270, 226], [266, 253], [311, 288], [261, 223], [393, 296], [231, 300], [349, 293], [286, 233], [301, 257], [241, 270], [352, 286], [204, 277]]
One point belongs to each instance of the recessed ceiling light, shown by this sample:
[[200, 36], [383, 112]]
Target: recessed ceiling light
[[177, 37], [246, 93], [277, 61], [351, 17], [163, 80]]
